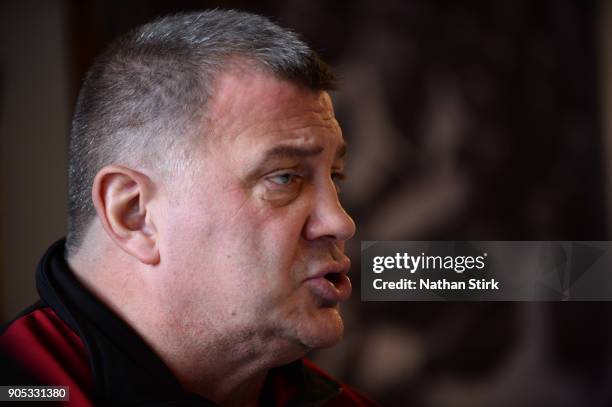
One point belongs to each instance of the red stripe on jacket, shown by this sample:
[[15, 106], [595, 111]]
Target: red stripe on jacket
[[51, 353]]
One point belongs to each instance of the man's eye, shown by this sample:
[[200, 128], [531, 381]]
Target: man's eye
[[283, 179]]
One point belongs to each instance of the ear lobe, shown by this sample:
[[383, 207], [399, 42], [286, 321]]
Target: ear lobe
[[122, 199]]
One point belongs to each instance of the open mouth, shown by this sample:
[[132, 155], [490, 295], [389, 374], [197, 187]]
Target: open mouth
[[334, 278], [331, 288]]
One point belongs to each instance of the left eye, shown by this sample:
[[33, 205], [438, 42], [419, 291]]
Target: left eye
[[283, 179]]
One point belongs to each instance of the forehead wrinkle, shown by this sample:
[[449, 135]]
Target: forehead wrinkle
[[286, 120], [306, 132], [304, 127], [292, 151], [264, 106], [234, 91], [225, 117]]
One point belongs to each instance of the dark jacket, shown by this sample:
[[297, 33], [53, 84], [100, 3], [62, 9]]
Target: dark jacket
[[71, 338]]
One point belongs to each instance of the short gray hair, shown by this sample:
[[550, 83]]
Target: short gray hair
[[141, 98]]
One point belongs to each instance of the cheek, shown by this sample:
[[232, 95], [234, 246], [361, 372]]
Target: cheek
[[263, 243], [231, 238], [270, 234]]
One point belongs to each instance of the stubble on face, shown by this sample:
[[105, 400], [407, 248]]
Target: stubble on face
[[246, 247]]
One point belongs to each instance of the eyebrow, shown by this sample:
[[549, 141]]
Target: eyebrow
[[302, 152], [293, 151], [287, 151]]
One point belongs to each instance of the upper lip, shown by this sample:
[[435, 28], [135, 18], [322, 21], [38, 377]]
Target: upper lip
[[339, 267]]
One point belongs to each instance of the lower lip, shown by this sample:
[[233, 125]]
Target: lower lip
[[330, 292]]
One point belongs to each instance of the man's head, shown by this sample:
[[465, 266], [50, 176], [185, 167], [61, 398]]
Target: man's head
[[141, 102], [209, 147]]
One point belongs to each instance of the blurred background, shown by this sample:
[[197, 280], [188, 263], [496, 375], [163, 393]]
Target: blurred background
[[466, 120]]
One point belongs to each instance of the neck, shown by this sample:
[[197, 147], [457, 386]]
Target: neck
[[227, 367], [224, 386]]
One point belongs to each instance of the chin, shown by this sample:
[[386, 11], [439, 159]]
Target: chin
[[322, 331]]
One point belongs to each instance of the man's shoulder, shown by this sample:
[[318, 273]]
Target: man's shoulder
[[38, 348]]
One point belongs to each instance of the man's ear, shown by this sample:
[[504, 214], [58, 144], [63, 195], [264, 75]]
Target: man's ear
[[122, 199]]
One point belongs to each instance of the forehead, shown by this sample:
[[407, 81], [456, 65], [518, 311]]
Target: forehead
[[256, 107]]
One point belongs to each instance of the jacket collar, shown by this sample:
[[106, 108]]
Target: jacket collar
[[127, 371]]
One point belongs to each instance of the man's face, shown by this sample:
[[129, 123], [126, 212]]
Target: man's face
[[254, 238]]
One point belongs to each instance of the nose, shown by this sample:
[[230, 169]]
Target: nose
[[328, 219]]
